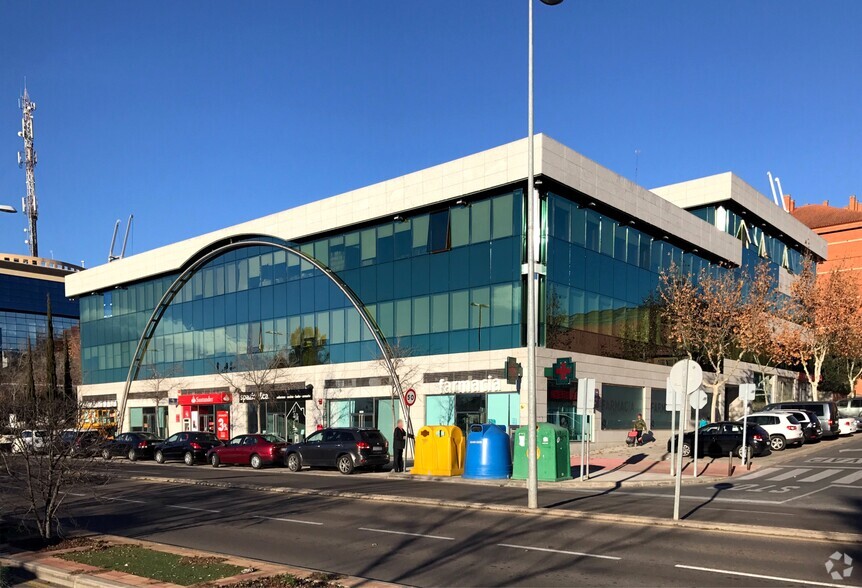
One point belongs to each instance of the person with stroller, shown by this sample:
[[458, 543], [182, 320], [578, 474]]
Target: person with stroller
[[639, 426]]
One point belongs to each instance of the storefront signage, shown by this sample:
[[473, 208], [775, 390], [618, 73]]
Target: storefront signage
[[284, 395], [210, 398], [470, 386], [223, 425]]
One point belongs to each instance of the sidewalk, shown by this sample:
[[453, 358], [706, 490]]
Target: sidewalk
[[46, 568]]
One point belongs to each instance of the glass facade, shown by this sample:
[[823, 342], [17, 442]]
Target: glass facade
[[426, 280], [23, 308]]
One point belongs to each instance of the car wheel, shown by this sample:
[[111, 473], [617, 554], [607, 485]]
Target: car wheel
[[133, 455], [189, 458], [686, 449], [256, 462], [294, 464], [106, 455], [159, 457], [740, 451], [214, 460], [777, 443], [345, 464]]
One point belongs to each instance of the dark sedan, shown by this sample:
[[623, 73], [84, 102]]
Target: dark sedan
[[189, 446], [132, 445], [722, 438], [254, 450]]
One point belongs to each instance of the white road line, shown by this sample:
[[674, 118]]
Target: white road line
[[791, 474], [191, 508], [410, 534], [757, 474], [820, 475], [849, 479], [527, 547], [286, 520], [844, 450], [760, 576], [124, 500]]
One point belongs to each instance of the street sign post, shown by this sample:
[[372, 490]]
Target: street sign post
[[697, 399], [586, 403], [746, 395], [685, 377], [410, 397]]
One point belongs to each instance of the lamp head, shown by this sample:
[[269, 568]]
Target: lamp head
[[552, 2]]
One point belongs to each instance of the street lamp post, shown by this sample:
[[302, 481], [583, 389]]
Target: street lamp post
[[480, 306], [7, 208], [532, 211]]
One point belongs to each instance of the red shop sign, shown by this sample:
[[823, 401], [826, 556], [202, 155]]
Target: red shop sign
[[223, 425], [210, 398]]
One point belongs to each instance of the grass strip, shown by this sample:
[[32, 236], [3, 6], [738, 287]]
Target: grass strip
[[157, 565]]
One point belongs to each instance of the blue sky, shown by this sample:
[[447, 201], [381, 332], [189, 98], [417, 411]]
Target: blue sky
[[198, 115]]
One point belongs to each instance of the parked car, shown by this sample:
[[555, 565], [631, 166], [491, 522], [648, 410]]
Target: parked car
[[189, 446], [30, 440], [345, 449], [723, 437], [134, 446], [850, 407], [256, 450], [811, 428], [7, 437], [783, 428], [826, 411], [848, 425], [81, 443]]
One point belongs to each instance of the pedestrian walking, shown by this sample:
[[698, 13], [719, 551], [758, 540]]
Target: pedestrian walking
[[398, 440], [639, 425]]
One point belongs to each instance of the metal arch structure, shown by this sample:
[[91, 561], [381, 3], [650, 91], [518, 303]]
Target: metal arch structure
[[181, 280]]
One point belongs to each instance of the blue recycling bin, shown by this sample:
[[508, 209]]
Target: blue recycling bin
[[488, 455]]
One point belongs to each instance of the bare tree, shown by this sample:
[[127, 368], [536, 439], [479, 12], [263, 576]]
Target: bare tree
[[406, 372], [155, 386], [255, 378]]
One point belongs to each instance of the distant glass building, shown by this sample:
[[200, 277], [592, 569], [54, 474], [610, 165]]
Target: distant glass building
[[25, 284], [436, 258]]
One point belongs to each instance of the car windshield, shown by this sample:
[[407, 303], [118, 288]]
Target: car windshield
[[273, 438], [206, 437], [150, 436]]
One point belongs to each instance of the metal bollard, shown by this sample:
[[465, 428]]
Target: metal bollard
[[730, 464]]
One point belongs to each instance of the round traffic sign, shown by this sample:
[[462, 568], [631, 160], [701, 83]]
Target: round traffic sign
[[410, 397], [686, 376]]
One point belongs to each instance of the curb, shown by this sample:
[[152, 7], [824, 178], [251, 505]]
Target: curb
[[730, 528], [29, 562]]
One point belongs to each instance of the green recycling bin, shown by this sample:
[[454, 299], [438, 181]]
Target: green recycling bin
[[553, 459]]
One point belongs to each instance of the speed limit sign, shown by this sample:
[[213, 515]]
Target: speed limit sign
[[410, 397]]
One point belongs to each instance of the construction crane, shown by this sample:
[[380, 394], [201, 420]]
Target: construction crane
[[111, 256], [27, 160]]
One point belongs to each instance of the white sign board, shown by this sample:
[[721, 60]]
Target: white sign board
[[746, 392], [673, 399], [697, 399], [586, 394], [686, 376]]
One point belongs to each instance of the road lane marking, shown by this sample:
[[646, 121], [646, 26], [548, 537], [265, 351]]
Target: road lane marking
[[758, 474], [578, 553], [286, 520], [124, 500], [844, 450], [760, 576], [820, 475], [410, 534], [191, 508], [849, 479], [791, 474]]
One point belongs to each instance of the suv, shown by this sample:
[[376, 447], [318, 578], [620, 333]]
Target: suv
[[783, 428], [190, 446], [81, 443], [850, 407], [346, 449], [826, 411], [811, 429]]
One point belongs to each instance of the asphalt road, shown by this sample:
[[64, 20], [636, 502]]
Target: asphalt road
[[437, 546], [817, 487]]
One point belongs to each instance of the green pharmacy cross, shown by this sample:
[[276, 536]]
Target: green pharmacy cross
[[562, 372]]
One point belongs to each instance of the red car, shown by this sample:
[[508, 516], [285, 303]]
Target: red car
[[257, 450]]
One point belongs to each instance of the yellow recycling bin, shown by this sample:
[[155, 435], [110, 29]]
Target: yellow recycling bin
[[439, 451]]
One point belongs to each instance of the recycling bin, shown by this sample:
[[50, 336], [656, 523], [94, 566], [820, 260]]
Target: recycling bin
[[439, 451], [553, 458], [488, 454]]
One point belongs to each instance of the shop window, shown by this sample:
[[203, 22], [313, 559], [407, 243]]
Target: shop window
[[620, 406], [440, 409]]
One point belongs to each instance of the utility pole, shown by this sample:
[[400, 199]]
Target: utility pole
[[27, 160]]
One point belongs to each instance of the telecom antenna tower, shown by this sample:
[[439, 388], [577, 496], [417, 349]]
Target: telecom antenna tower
[[27, 160]]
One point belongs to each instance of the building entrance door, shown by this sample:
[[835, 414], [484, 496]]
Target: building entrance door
[[206, 419]]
